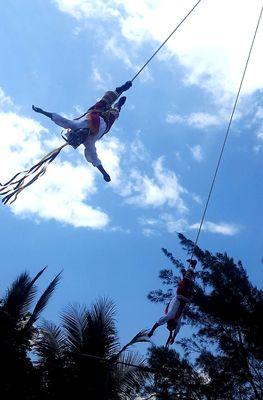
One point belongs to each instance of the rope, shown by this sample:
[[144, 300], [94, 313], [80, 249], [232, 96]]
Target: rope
[[227, 133], [171, 34], [154, 54]]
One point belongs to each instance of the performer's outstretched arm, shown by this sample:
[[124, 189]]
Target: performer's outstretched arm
[[91, 156], [106, 176]]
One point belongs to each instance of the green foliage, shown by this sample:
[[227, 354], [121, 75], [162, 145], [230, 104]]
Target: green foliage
[[226, 344], [175, 377], [84, 356], [17, 336]]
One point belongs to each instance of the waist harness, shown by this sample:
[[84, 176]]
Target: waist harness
[[76, 137]]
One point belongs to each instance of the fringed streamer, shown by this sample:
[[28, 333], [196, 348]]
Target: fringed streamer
[[14, 186]]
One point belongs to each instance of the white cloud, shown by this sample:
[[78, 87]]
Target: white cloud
[[148, 232], [260, 136], [257, 148], [197, 198], [98, 79], [212, 54], [138, 150], [259, 113], [81, 9], [197, 152], [147, 221], [5, 100], [222, 228], [203, 120], [163, 188], [62, 197], [198, 120], [172, 224], [110, 150], [122, 52], [175, 119], [58, 194]]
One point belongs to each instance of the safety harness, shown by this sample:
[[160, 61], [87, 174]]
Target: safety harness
[[76, 137]]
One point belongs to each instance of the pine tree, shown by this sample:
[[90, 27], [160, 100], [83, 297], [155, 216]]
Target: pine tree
[[226, 317]]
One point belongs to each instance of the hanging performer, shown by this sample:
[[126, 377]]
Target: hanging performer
[[86, 130], [90, 127], [175, 308]]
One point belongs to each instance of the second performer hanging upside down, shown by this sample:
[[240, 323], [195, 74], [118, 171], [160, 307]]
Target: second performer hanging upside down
[[175, 308]]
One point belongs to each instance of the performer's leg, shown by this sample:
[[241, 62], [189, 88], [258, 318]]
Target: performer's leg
[[172, 310], [59, 120], [120, 103], [177, 328], [64, 122], [169, 340], [155, 326], [163, 320], [39, 110]]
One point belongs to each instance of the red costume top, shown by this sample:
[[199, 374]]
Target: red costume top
[[183, 294], [184, 286], [104, 110]]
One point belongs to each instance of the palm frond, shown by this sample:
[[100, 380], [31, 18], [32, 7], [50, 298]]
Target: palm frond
[[43, 300], [128, 377], [75, 324], [104, 309], [141, 337], [37, 276], [51, 343], [102, 334], [20, 295]]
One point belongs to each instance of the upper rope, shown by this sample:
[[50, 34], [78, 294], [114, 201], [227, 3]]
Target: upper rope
[[171, 34], [227, 133], [159, 48], [20, 181]]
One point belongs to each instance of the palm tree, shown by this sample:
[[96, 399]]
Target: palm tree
[[85, 360], [17, 332]]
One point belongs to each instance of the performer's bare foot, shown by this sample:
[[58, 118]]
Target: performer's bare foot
[[37, 109]]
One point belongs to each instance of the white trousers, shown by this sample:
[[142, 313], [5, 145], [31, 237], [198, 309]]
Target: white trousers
[[172, 310], [178, 326], [69, 123]]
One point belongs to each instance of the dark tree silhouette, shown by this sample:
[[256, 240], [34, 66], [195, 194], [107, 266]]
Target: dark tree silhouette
[[19, 378], [80, 359], [226, 317]]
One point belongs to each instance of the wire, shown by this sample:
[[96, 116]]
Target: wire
[[227, 133], [159, 48], [171, 34]]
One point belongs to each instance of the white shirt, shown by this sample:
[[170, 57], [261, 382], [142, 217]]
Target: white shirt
[[90, 151]]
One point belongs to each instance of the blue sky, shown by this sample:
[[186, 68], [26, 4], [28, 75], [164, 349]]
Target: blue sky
[[62, 55]]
